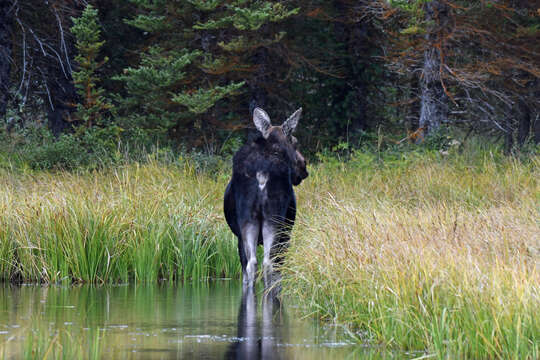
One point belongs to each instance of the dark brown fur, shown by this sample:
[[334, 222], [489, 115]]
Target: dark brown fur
[[249, 203]]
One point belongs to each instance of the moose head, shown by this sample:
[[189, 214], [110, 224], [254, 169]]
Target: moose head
[[281, 143]]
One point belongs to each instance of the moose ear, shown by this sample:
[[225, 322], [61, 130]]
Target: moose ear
[[290, 124], [262, 121]]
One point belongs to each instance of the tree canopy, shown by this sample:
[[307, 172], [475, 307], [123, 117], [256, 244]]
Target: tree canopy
[[190, 72]]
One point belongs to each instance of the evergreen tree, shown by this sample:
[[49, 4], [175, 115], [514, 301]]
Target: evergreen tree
[[87, 33], [339, 75], [201, 54]]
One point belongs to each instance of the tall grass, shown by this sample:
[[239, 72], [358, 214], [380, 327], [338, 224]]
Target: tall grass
[[440, 255], [417, 252], [141, 223]]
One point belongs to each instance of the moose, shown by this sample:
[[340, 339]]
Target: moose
[[259, 203]]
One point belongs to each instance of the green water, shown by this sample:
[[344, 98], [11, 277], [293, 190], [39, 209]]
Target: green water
[[191, 321]]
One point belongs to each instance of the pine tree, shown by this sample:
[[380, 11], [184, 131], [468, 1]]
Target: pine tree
[[201, 54], [94, 105]]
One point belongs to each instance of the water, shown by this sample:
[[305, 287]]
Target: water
[[191, 321]]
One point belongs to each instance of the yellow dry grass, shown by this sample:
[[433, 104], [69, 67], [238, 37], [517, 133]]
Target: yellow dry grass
[[438, 256]]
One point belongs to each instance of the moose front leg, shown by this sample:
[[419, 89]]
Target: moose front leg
[[250, 236]]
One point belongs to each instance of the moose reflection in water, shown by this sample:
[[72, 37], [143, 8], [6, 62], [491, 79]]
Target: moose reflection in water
[[257, 339], [260, 204], [215, 320]]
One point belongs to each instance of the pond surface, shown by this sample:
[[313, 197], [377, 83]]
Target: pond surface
[[191, 321]]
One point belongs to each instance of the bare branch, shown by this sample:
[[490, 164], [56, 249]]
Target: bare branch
[[46, 88], [24, 50], [62, 41]]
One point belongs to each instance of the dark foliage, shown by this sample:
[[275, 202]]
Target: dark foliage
[[188, 73]]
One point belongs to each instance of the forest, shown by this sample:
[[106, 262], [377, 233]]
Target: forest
[[80, 79], [417, 231]]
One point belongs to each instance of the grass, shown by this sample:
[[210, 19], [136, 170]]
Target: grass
[[135, 223], [440, 255], [413, 251]]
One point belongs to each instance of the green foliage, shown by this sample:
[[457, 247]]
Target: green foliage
[[240, 44], [149, 23], [87, 34], [414, 22], [408, 5], [87, 148], [201, 100], [206, 5], [149, 86], [200, 56], [249, 18], [413, 30]]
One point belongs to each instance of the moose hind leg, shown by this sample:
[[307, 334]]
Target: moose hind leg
[[250, 237], [242, 254], [269, 241]]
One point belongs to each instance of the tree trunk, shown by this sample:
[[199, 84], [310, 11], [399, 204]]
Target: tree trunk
[[433, 100], [6, 21], [59, 113], [258, 94], [256, 85], [413, 109], [359, 46], [62, 102], [511, 123], [536, 113], [524, 127], [509, 136], [354, 37], [536, 128]]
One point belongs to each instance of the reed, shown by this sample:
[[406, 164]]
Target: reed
[[141, 223], [439, 255]]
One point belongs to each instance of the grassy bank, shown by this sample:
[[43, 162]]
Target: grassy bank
[[415, 251], [435, 255], [140, 223]]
